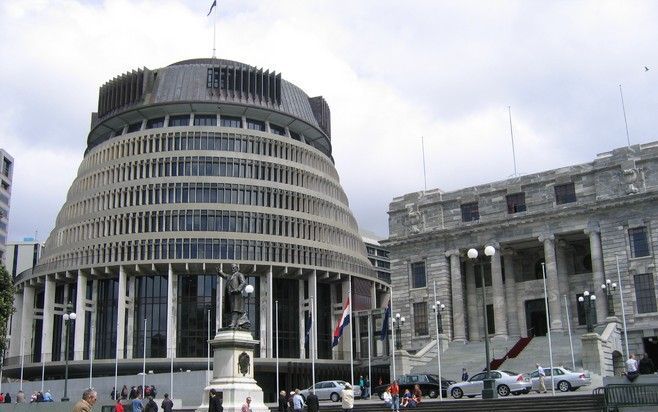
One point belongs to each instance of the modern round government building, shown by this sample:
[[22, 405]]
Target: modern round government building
[[188, 169]]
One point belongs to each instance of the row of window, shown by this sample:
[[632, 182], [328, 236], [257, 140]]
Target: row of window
[[230, 142], [565, 193], [213, 221], [231, 249], [176, 193], [198, 166]]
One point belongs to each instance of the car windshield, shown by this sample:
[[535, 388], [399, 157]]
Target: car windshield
[[341, 383], [510, 373], [434, 378]]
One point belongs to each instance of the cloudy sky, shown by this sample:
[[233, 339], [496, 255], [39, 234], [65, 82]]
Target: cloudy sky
[[392, 72]]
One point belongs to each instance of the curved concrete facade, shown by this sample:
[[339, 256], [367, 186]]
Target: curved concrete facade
[[190, 168]]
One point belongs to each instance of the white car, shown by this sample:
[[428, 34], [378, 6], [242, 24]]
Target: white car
[[326, 390], [506, 382], [564, 380]]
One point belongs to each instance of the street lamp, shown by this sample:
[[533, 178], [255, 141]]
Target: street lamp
[[438, 308], [488, 391], [399, 321], [587, 299], [608, 288], [68, 316]]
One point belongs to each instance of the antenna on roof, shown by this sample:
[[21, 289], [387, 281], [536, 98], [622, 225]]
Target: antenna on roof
[[623, 108], [511, 133]]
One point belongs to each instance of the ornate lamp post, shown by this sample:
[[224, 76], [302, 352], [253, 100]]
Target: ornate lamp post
[[489, 384], [68, 316], [608, 288], [438, 308], [587, 299], [399, 321]]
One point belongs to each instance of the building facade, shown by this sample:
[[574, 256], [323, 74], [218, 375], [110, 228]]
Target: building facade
[[377, 255], [188, 169], [582, 225], [23, 255], [6, 174]]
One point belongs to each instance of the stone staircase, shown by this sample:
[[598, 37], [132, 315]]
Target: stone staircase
[[471, 356]]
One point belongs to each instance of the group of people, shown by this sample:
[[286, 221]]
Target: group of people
[[409, 399], [215, 402], [294, 401], [634, 368], [134, 392], [364, 384]]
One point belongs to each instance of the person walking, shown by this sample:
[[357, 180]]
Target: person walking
[[283, 402], [646, 366], [167, 405], [118, 407], [7, 397], [395, 394], [297, 401], [542, 375], [20, 397], [215, 402], [2, 397], [464, 375], [631, 368], [246, 406], [362, 386], [124, 392], [137, 405], [312, 402], [87, 402], [348, 398]]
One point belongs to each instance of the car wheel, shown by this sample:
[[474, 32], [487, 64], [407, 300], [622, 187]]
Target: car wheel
[[456, 393], [503, 390], [564, 386], [334, 397], [434, 393]]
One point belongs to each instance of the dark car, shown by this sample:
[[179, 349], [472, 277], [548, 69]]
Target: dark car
[[428, 383]]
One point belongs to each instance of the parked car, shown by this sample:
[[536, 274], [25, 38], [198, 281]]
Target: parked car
[[428, 383], [326, 390], [564, 379], [506, 382]]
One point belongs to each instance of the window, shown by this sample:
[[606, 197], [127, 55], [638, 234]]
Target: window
[[470, 212], [277, 130], [418, 275], [6, 167], [516, 203], [255, 125], [639, 241], [565, 193], [228, 121], [182, 120], [645, 293], [420, 319], [134, 127], [155, 123], [205, 120]]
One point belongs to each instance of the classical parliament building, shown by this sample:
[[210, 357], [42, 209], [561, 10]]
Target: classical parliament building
[[585, 224], [189, 168]]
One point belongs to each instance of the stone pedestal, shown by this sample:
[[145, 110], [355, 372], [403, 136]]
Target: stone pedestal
[[592, 353], [233, 372]]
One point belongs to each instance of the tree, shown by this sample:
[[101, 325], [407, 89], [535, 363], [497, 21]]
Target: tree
[[6, 305]]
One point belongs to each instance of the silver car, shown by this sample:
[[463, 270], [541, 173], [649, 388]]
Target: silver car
[[326, 390], [564, 380], [506, 382]]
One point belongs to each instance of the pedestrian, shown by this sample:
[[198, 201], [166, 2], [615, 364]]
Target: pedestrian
[[395, 394], [348, 398], [167, 404], [215, 402], [312, 402], [297, 401], [246, 406], [118, 407], [542, 375], [133, 392], [362, 386], [151, 406], [631, 368], [113, 394], [2, 397], [646, 366], [283, 402], [124, 391], [464, 375], [48, 397], [7, 397], [367, 388], [388, 399], [137, 405], [418, 394], [20, 397], [87, 402]]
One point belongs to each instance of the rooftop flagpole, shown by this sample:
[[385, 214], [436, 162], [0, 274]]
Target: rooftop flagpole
[[214, 28]]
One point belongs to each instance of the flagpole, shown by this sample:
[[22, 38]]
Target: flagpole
[[438, 341], [208, 353], [143, 362], [351, 329], [369, 356], [312, 342], [276, 333], [392, 349]]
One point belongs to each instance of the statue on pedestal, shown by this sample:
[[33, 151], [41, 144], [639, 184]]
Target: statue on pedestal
[[235, 285]]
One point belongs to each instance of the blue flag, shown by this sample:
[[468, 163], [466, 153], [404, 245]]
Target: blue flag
[[387, 318]]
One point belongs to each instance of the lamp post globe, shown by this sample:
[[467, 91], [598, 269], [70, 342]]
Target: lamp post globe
[[472, 253], [587, 299], [608, 288], [489, 250]]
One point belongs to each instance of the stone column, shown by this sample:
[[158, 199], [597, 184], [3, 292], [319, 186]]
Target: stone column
[[301, 308], [270, 313], [520, 303], [27, 321], [498, 292], [94, 308], [472, 303], [172, 311], [48, 319], [219, 301], [552, 288], [562, 274], [347, 332], [16, 326], [313, 292], [121, 312], [80, 310], [510, 293], [130, 317], [264, 315], [597, 270], [457, 292]]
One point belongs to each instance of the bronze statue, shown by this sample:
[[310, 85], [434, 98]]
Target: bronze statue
[[235, 285]]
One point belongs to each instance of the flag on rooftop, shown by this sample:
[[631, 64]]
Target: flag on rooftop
[[212, 6]]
